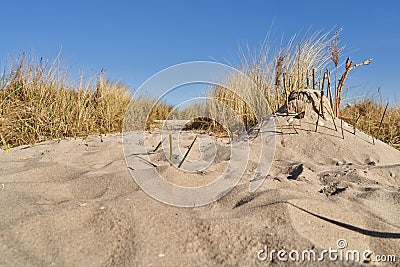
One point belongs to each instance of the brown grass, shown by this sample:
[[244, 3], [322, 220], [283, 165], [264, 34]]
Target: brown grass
[[143, 111], [38, 103], [367, 114]]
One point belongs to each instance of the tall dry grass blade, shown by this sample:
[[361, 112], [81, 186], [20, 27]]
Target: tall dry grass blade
[[383, 116], [286, 94], [170, 150], [187, 152], [349, 66], [323, 95], [329, 88], [341, 126], [6, 147], [355, 123], [331, 100], [159, 145], [314, 79], [321, 104]]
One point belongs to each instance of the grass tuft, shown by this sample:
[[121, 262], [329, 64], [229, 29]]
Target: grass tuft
[[373, 118], [275, 75], [38, 103]]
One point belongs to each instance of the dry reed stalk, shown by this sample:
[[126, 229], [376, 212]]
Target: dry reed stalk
[[355, 123], [286, 94], [335, 52], [336, 99], [369, 130], [341, 126], [383, 116], [314, 78], [297, 98], [321, 104], [279, 71], [298, 66], [170, 149], [322, 95], [330, 96], [329, 88], [341, 84], [349, 67], [316, 124], [187, 152], [159, 145]]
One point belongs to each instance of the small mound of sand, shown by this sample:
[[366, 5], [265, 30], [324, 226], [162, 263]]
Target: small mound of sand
[[75, 203]]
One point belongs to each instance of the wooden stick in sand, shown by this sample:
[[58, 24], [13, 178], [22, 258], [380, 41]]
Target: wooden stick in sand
[[159, 144], [286, 93], [355, 123], [187, 152], [321, 104], [383, 116], [322, 95], [170, 149], [330, 96], [341, 126], [314, 82], [369, 130]]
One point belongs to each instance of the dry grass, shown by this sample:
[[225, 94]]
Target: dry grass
[[274, 75], [295, 67], [143, 111], [367, 115], [38, 103]]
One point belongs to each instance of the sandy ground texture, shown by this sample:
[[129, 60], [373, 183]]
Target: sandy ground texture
[[74, 203]]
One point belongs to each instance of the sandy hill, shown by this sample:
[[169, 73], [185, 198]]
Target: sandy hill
[[74, 203]]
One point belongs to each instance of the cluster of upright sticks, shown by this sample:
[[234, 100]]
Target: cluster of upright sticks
[[324, 85]]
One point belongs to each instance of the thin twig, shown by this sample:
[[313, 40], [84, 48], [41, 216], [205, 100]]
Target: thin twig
[[369, 129], [330, 95], [341, 126], [286, 93], [187, 152], [319, 111], [328, 78], [170, 149], [383, 116], [322, 95], [313, 79], [349, 65], [159, 144], [355, 123]]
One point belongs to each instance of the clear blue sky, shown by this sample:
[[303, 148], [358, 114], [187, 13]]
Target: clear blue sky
[[133, 40]]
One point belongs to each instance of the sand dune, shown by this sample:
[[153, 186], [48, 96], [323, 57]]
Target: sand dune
[[74, 203]]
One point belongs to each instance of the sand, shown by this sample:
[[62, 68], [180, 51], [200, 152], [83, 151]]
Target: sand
[[75, 203]]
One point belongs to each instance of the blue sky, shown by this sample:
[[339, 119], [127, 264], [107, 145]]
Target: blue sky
[[133, 40]]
